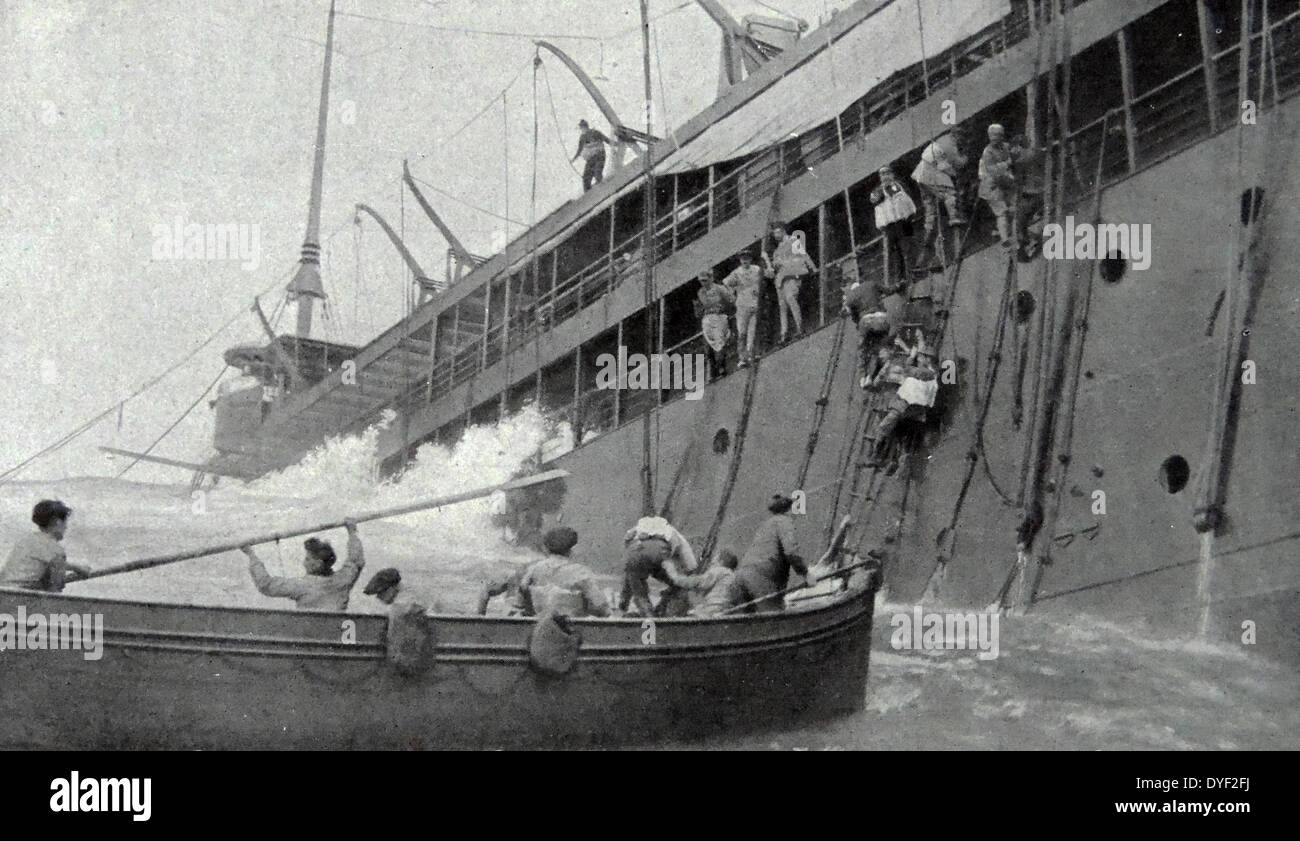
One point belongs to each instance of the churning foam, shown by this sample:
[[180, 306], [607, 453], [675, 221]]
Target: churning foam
[[341, 478]]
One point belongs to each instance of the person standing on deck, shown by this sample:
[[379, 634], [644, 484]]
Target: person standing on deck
[[38, 561], [894, 210], [591, 148], [790, 264], [713, 303], [998, 182], [322, 588], [744, 283], [765, 570], [651, 544]]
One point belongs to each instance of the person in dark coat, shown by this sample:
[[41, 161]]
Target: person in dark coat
[[591, 148], [765, 570]]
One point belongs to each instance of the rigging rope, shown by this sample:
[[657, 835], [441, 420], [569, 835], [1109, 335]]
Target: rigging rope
[[733, 468], [63, 441], [550, 97], [175, 423], [823, 398], [972, 455]]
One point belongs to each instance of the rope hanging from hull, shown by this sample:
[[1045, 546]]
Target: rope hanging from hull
[[733, 468], [823, 398], [948, 535]]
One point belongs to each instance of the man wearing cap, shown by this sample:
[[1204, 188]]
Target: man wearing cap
[[385, 585], [998, 182], [744, 283], [407, 638], [651, 544], [38, 561], [558, 584], [765, 570], [591, 148], [322, 588]]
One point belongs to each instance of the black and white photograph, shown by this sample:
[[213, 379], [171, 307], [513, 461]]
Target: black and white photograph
[[650, 375]]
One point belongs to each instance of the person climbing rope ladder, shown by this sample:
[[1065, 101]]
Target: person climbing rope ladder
[[916, 394]]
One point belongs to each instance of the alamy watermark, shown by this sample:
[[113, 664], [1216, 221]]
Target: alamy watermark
[[25, 631], [1086, 241], [676, 371], [209, 241], [945, 631]]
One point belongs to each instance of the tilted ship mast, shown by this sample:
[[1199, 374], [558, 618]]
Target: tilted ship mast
[[306, 284]]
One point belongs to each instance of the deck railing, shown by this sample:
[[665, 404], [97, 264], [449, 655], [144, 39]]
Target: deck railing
[[1165, 120]]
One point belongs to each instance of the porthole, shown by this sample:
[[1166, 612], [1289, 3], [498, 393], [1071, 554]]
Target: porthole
[[1024, 306], [1113, 266], [721, 441], [1174, 473]]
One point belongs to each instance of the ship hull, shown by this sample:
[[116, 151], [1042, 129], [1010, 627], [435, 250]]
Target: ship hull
[[1146, 394]]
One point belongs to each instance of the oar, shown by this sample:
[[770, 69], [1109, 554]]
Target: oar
[[146, 563]]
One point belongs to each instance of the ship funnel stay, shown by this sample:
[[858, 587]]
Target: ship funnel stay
[[306, 285]]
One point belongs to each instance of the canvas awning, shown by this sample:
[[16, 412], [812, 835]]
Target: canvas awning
[[816, 90]]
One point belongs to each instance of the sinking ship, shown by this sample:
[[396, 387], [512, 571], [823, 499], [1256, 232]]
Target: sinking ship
[[1114, 432]]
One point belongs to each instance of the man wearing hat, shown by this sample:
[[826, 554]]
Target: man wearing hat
[[384, 585], [744, 283], [559, 584], [765, 570], [323, 587], [38, 561], [407, 639]]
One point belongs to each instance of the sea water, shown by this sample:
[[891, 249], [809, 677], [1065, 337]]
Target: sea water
[[1061, 679]]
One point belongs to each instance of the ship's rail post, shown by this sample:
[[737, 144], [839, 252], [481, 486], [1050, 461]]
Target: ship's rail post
[[1126, 88], [1207, 64], [709, 224]]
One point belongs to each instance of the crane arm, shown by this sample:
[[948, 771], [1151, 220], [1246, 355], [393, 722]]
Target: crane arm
[[459, 250], [397, 242]]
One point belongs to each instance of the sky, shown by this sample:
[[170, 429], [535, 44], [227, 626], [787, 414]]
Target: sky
[[119, 121]]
